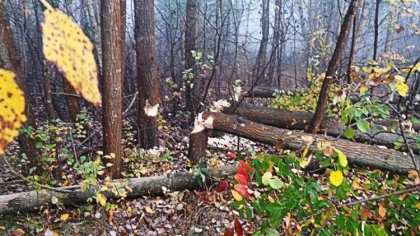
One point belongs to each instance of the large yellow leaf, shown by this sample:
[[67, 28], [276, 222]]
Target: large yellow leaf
[[67, 46], [12, 108], [336, 178]]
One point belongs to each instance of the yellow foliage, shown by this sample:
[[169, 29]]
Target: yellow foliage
[[402, 88], [341, 158], [236, 195], [66, 45], [336, 178], [12, 108], [64, 217]]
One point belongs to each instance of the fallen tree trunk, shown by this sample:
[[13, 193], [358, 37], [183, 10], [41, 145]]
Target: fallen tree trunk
[[299, 120], [268, 92], [357, 154], [33, 200]]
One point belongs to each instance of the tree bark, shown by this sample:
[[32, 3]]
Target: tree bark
[[191, 35], [48, 99], [146, 186], [10, 60], [71, 101], [357, 154], [376, 33], [197, 146], [276, 40], [112, 81], [300, 121], [261, 61], [147, 75], [332, 68]]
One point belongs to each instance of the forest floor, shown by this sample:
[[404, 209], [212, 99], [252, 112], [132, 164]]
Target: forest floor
[[188, 212]]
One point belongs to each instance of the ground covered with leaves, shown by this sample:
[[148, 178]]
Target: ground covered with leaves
[[273, 193]]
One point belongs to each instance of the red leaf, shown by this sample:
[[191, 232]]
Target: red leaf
[[229, 232], [241, 179], [231, 155], [241, 190], [238, 227], [247, 166], [222, 186], [242, 171]]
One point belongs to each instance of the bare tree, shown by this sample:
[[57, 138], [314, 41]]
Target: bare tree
[[322, 104]]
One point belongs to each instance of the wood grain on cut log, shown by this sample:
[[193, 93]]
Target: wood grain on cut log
[[357, 154], [146, 186], [299, 121]]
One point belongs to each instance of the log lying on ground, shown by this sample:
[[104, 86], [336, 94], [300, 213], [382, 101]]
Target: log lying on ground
[[299, 121], [267, 92], [33, 200], [357, 154]]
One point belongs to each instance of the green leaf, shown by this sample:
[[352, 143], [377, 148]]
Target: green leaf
[[271, 232], [363, 126], [349, 133]]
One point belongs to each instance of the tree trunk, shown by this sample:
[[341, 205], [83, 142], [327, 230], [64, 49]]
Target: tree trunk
[[300, 121], [357, 154], [71, 101], [147, 75], [191, 35], [376, 34], [332, 68], [276, 41], [197, 146], [146, 186], [352, 49], [112, 81], [48, 99], [10, 60], [259, 70]]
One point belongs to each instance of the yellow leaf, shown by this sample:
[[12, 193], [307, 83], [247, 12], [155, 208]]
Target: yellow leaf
[[382, 211], [101, 199], [355, 184], [402, 88], [64, 217], [342, 159], [305, 152], [336, 178], [2, 228], [65, 44], [109, 164], [236, 195], [418, 205], [12, 108], [266, 178], [304, 163], [363, 90], [149, 210]]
